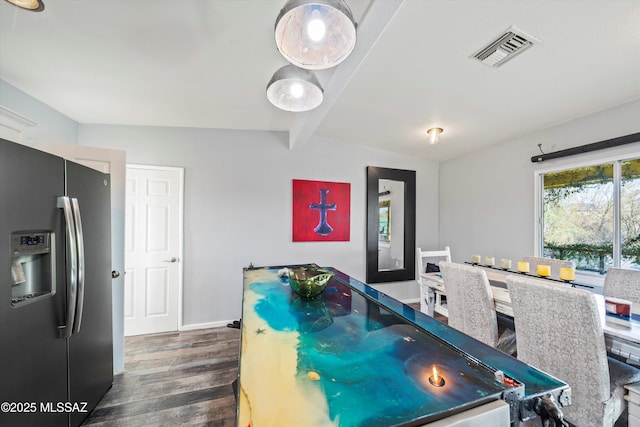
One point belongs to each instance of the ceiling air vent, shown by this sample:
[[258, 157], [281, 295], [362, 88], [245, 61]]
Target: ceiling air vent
[[507, 45]]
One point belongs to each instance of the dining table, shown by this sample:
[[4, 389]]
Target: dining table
[[355, 356], [621, 340]]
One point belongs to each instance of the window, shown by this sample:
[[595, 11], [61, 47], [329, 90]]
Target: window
[[591, 215], [384, 231], [630, 214]]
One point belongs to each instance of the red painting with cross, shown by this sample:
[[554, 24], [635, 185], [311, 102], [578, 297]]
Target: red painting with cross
[[321, 211]]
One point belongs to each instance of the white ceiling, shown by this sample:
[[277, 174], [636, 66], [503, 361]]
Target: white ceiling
[[206, 64]]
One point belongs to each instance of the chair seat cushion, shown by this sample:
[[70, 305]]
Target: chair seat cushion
[[620, 374]]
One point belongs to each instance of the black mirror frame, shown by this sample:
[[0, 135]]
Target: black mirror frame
[[408, 271]]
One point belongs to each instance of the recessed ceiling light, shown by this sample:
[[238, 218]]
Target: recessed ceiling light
[[434, 135], [32, 5]]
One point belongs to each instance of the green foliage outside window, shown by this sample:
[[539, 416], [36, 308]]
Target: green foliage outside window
[[384, 221], [578, 212]]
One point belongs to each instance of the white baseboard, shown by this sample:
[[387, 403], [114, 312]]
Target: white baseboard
[[196, 326]]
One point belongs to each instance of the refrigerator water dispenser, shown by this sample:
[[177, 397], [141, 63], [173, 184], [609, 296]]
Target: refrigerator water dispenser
[[32, 266]]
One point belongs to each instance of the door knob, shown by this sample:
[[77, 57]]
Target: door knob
[[115, 274], [172, 259]]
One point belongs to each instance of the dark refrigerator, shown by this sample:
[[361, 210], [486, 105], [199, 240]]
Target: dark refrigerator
[[56, 352]]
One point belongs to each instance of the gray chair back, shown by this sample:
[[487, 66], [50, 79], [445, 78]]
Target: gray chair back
[[622, 283], [470, 302], [559, 331]]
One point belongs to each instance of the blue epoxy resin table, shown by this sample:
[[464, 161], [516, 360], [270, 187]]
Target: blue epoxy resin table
[[356, 357]]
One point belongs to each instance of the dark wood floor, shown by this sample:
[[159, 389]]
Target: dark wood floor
[[171, 379], [175, 379], [179, 379]]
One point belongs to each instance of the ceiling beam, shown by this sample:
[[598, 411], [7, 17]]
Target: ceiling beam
[[373, 24]]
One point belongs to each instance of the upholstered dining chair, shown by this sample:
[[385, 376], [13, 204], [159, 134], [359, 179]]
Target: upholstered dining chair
[[471, 306], [554, 265], [559, 331], [423, 258], [622, 283]]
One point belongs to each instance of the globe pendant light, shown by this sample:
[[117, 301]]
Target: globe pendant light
[[294, 89], [315, 34], [33, 5]]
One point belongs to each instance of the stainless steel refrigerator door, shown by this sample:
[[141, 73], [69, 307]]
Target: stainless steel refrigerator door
[[91, 344], [33, 359]]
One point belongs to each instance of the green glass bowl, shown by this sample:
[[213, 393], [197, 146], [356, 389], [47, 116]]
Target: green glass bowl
[[309, 282]]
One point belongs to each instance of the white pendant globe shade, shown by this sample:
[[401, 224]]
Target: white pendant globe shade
[[315, 34], [294, 89]]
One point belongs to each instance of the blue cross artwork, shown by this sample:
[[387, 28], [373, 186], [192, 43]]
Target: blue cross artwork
[[321, 211]]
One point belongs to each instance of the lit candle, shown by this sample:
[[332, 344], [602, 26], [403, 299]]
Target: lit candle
[[490, 261], [544, 270], [523, 266], [475, 259], [568, 274], [435, 379], [505, 264]]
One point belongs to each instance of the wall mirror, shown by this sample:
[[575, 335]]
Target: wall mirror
[[391, 223]]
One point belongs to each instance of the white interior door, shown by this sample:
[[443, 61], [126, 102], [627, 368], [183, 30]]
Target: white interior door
[[153, 249], [112, 162]]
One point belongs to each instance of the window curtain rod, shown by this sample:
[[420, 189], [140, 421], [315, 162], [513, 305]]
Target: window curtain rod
[[601, 145]]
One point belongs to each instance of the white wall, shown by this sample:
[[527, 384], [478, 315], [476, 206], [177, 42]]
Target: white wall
[[52, 126], [486, 198], [238, 204]]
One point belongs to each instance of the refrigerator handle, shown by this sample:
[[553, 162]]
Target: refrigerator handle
[[72, 267], [81, 275]]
